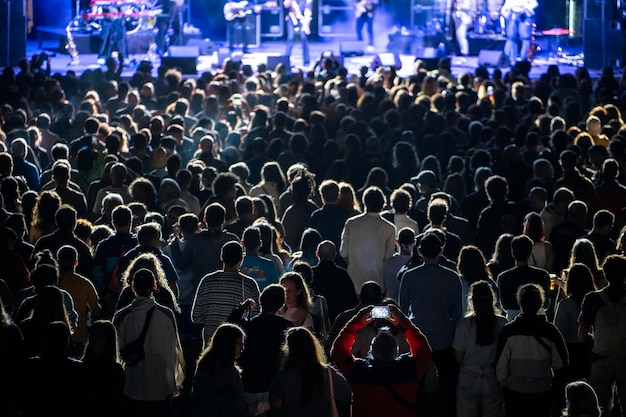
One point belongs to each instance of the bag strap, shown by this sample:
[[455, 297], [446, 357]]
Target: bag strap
[[146, 323], [543, 343], [403, 401]]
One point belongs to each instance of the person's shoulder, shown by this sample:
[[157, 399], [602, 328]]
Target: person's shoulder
[[501, 321], [120, 315], [265, 261], [166, 311], [81, 280], [507, 273], [248, 280], [211, 276], [538, 272]]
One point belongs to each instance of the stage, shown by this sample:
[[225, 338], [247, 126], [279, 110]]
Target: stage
[[485, 50]]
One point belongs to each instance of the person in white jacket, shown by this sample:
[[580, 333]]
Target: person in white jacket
[[368, 240], [150, 383]]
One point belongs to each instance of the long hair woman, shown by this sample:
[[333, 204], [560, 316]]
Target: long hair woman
[[298, 304], [542, 255], [42, 222], [347, 199], [163, 296], [584, 252], [217, 387], [475, 345], [273, 183], [502, 258], [302, 387], [472, 267], [581, 400], [47, 309], [579, 283], [104, 371]]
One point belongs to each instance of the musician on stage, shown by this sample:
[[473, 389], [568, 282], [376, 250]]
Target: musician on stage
[[519, 16], [462, 13], [236, 14], [298, 16], [113, 34], [364, 12], [170, 17]]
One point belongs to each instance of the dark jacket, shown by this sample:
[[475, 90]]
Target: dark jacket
[[265, 335], [335, 285], [529, 348]]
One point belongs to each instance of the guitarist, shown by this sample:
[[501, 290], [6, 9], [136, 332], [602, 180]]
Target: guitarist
[[364, 13], [170, 17], [298, 16], [236, 13], [462, 15], [519, 16]]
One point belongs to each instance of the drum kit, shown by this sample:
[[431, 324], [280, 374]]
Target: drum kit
[[485, 16], [137, 15]]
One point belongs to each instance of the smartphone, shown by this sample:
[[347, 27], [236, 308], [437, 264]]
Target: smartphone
[[381, 312], [490, 90], [236, 101]]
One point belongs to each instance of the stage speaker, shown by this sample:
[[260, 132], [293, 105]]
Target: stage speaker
[[489, 58], [183, 57], [12, 33], [612, 53], [272, 61], [272, 22], [252, 28], [387, 59], [352, 48], [205, 46], [593, 9]]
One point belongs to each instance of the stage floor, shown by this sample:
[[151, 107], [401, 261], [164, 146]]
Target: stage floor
[[567, 60]]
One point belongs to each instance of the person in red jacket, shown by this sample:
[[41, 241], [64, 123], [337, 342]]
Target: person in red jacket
[[386, 384]]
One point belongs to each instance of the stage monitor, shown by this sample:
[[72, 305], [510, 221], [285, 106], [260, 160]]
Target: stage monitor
[[183, 57], [273, 61], [489, 58]]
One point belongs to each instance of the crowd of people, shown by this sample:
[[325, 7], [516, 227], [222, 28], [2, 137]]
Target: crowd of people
[[259, 242]]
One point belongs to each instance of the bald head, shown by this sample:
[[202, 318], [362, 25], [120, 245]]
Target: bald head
[[326, 251]]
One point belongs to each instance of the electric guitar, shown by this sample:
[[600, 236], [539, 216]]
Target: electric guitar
[[240, 9], [301, 21]]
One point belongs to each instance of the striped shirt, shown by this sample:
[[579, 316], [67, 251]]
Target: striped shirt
[[218, 294]]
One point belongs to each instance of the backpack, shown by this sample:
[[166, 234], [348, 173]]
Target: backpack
[[609, 329]]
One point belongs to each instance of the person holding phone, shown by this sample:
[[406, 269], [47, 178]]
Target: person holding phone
[[388, 383]]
